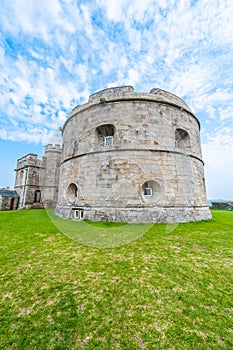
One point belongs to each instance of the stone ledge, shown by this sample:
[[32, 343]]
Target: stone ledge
[[115, 149], [155, 214]]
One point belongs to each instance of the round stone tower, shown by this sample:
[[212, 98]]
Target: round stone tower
[[132, 157]]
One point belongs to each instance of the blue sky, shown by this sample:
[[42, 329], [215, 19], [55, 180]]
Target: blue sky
[[54, 54]]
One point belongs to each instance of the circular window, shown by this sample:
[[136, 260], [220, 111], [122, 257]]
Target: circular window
[[72, 193], [151, 191]]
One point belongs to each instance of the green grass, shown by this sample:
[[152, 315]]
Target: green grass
[[165, 290], [100, 234]]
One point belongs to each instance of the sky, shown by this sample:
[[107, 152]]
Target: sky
[[54, 54]]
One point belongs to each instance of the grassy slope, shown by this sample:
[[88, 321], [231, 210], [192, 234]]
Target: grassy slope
[[163, 291]]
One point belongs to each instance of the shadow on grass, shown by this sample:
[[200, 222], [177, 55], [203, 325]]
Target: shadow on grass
[[100, 234]]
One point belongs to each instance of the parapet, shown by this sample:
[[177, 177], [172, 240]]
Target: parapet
[[30, 159], [111, 93], [51, 147], [31, 155], [122, 93], [166, 96]]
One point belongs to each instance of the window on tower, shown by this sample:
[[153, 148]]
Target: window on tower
[[105, 134]]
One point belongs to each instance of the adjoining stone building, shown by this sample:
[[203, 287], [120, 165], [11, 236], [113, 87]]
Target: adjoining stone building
[[37, 179], [222, 205], [9, 199], [133, 157]]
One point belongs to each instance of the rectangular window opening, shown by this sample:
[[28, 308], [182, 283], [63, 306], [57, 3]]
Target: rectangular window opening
[[79, 214], [147, 191], [108, 141]]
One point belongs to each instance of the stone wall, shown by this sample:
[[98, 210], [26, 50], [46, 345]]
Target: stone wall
[[27, 179], [9, 199], [37, 179], [222, 205], [49, 175], [132, 157]]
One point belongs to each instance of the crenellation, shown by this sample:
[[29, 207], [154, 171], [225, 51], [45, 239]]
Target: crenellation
[[37, 178]]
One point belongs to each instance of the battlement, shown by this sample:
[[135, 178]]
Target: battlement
[[31, 159], [168, 97], [37, 179], [111, 93], [27, 156], [51, 147], [126, 93]]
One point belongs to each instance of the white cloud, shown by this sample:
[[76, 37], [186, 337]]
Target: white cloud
[[133, 77], [87, 20], [226, 113], [37, 18], [35, 135], [218, 158], [54, 54], [114, 9]]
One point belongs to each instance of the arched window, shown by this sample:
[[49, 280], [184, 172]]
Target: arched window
[[105, 134], [37, 196], [182, 139], [72, 193]]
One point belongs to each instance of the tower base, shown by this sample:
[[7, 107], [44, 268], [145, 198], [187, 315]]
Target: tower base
[[152, 214]]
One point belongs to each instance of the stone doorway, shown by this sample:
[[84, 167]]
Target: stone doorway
[[12, 203]]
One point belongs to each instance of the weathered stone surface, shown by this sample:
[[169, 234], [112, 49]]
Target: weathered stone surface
[[132, 157], [222, 205], [8, 199], [37, 179]]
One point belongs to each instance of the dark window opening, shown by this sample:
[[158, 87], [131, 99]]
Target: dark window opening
[[105, 134], [37, 196], [72, 193], [182, 139], [79, 214], [147, 191]]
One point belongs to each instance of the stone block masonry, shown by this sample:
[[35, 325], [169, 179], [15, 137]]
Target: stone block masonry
[[37, 179], [133, 157]]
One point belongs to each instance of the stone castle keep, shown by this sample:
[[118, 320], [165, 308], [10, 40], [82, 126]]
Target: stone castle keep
[[37, 179], [126, 156]]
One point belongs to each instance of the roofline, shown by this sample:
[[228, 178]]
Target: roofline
[[87, 106], [29, 154]]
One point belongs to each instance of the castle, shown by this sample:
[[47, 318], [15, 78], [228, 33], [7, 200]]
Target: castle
[[37, 180], [126, 156]]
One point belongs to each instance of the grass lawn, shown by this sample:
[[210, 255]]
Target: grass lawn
[[165, 290]]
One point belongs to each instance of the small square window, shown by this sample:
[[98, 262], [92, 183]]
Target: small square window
[[108, 141], [147, 191]]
